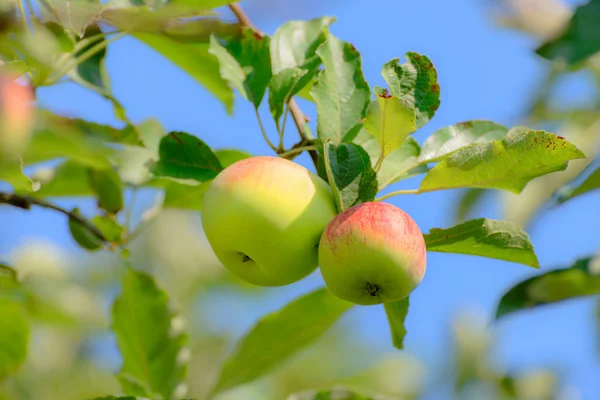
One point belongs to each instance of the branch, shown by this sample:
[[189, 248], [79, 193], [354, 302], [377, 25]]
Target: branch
[[25, 202], [299, 118]]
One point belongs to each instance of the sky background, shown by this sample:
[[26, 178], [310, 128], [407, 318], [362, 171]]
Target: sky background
[[485, 72]]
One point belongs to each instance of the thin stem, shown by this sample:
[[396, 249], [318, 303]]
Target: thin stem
[[31, 10], [264, 132], [297, 150], [282, 131], [243, 17], [129, 210], [23, 16], [25, 202], [398, 192]]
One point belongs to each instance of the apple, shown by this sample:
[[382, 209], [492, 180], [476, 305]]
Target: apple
[[16, 115], [264, 216], [372, 253]]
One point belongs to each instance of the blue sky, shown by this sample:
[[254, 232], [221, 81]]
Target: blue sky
[[485, 72]]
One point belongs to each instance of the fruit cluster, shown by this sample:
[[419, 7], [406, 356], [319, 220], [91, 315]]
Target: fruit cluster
[[271, 222]]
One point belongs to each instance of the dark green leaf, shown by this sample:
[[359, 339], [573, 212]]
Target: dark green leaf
[[416, 82], [390, 120], [68, 179], [468, 200], [186, 197], [580, 40], [244, 62], [486, 238], [592, 182], [93, 70], [581, 279], [153, 361], [109, 227], [83, 236], [279, 335], [107, 186], [14, 336], [396, 313], [184, 156], [508, 164], [228, 157], [195, 59], [341, 92], [350, 174], [451, 138]]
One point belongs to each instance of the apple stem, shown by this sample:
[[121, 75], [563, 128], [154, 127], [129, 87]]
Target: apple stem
[[398, 192]]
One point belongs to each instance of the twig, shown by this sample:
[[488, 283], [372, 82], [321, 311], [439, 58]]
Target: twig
[[299, 118], [296, 150], [25, 202], [398, 192]]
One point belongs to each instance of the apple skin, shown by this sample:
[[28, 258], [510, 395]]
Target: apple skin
[[264, 216], [372, 253], [16, 115]]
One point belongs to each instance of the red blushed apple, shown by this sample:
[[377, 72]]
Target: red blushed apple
[[372, 253], [16, 115]]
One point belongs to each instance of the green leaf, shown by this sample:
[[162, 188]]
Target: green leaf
[[570, 191], [14, 336], [75, 14], [279, 335], [416, 82], [93, 69], [580, 40], [451, 138], [107, 186], [286, 84], [335, 394], [390, 120], [396, 313], [110, 228], [82, 234], [184, 156], [294, 44], [186, 197], [486, 238], [350, 173], [8, 277], [245, 63], [118, 398], [152, 353], [69, 178], [341, 92], [228, 157], [12, 173], [195, 59], [580, 280], [468, 200], [508, 164]]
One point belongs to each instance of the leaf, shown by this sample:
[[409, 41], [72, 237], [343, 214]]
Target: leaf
[[228, 157], [468, 200], [195, 59], [107, 186], [245, 63], [294, 44], [486, 238], [93, 69], [69, 178], [286, 332], [184, 156], [570, 191], [76, 14], [152, 354], [580, 40], [83, 235], [508, 164], [110, 228], [580, 280], [286, 84], [350, 174], [8, 277], [451, 138], [335, 394], [416, 82], [203, 4], [396, 313], [341, 92], [186, 197], [12, 173], [14, 336], [118, 398]]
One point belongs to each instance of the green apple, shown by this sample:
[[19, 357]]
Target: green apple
[[372, 253], [264, 216]]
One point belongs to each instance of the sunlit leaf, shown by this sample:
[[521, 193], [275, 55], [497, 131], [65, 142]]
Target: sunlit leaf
[[109, 227], [75, 14], [12, 173], [69, 178], [186, 197], [107, 186], [286, 84], [580, 280], [485, 238], [228, 157], [14, 336], [396, 313], [83, 235]]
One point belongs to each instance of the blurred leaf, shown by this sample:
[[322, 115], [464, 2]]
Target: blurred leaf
[[186, 197], [107, 186], [69, 178], [110, 228], [8, 277], [341, 92], [228, 157], [486, 238], [244, 62], [93, 70], [203, 4], [580, 40], [451, 138], [350, 174], [195, 59], [592, 182], [75, 14], [581, 279], [184, 156], [468, 200], [82, 234], [279, 335], [390, 120], [12, 173], [117, 398], [132, 160], [14, 336], [141, 320], [396, 313], [508, 164], [335, 394], [416, 82]]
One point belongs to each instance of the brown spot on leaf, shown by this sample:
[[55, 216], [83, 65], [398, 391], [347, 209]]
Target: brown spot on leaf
[[466, 124], [435, 88], [174, 136], [385, 94], [257, 35]]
